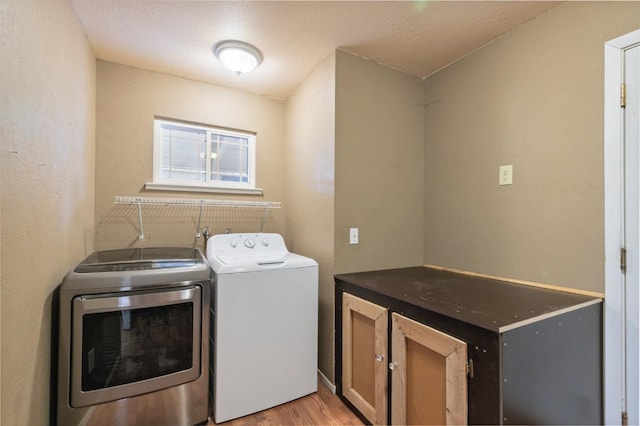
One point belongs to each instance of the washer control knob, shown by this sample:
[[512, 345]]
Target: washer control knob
[[233, 243], [249, 243], [265, 243]]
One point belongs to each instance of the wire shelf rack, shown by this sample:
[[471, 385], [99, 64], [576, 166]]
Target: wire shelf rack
[[201, 204], [196, 202]]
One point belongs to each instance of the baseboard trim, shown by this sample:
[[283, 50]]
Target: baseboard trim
[[325, 381]]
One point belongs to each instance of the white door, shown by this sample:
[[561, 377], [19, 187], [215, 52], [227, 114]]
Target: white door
[[622, 229]]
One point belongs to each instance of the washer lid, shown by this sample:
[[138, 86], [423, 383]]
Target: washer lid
[[271, 259], [231, 265]]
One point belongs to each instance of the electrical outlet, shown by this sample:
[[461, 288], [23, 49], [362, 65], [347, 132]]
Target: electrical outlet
[[506, 175], [353, 235]]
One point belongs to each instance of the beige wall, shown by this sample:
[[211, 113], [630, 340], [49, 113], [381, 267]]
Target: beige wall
[[379, 182], [354, 159], [310, 135], [533, 99], [414, 167], [127, 101], [48, 157]]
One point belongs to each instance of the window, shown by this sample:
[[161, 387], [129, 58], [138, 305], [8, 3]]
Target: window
[[194, 157]]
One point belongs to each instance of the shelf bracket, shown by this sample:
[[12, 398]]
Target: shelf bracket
[[198, 234], [264, 218], [141, 233]]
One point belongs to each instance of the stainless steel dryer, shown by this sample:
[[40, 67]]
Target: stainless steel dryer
[[131, 348]]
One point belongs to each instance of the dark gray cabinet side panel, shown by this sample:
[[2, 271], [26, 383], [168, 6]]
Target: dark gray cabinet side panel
[[552, 370]]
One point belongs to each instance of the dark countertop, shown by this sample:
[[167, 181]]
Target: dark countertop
[[488, 303]]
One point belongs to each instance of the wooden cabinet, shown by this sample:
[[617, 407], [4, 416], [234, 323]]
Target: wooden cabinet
[[425, 346], [428, 367], [364, 354], [429, 375]]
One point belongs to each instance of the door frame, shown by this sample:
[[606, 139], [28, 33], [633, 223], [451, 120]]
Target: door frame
[[614, 239]]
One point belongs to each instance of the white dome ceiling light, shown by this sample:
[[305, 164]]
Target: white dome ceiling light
[[238, 56]]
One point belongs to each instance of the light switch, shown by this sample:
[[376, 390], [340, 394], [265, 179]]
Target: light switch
[[353, 235], [506, 175]]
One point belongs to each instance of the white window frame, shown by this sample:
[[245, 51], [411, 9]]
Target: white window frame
[[217, 186]]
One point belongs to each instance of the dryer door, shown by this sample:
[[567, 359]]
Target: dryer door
[[129, 343]]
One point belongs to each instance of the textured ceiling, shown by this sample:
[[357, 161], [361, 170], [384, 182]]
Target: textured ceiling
[[176, 36]]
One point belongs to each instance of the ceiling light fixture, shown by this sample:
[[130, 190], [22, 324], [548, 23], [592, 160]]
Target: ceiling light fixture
[[238, 56]]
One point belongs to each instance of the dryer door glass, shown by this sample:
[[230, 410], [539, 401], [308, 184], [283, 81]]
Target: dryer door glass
[[131, 345]]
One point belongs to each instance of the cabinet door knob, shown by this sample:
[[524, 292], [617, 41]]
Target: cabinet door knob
[[393, 365], [379, 357]]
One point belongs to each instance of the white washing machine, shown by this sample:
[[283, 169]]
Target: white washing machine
[[264, 334]]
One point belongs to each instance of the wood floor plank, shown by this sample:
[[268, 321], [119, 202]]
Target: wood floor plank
[[320, 408]]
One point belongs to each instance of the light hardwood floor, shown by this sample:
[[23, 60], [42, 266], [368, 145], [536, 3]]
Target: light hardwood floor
[[320, 408]]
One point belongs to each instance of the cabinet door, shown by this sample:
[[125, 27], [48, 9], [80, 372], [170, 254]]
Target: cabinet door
[[429, 377], [364, 357]]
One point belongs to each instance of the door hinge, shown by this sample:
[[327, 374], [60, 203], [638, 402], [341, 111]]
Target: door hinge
[[623, 95], [470, 368], [623, 259], [625, 418]]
